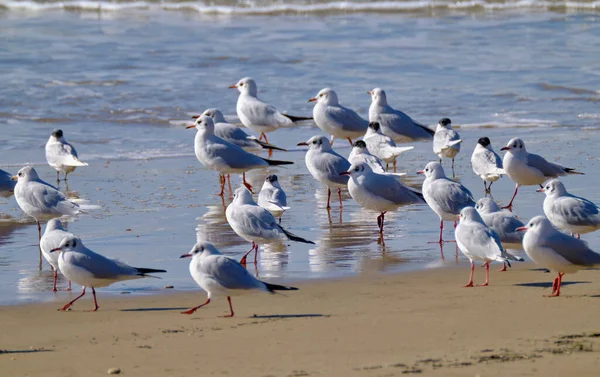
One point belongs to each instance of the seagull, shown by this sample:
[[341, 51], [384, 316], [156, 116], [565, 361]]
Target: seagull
[[88, 269], [219, 275], [61, 155], [235, 135], [335, 119], [7, 185], [255, 224], [383, 146], [360, 153], [272, 197], [569, 212], [486, 163], [444, 196], [446, 141], [223, 156], [554, 250], [528, 169], [378, 192], [325, 165], [257, 115], [41, 200], [479, 243], [394, 123], [53, 236]]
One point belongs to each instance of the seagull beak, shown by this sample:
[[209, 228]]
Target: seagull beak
[[420, 172], [191, 126], [14, 178], [304, 143], [195, 116], [232, 86], [312, 99], [504, 148], [185, 256], [370, 92], [457, 217], [539, 190], [521, 229], [345, 173], [56, 249]]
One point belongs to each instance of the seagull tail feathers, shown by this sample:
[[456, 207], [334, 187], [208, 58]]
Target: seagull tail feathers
[[294, 237], [573, 171], [145, 271], [269, 146], [276, 162], [274, 287], [296, 119]]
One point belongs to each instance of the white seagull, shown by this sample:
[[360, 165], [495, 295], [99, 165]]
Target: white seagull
[[88, 269], [219, 275], [478, 242], [325, 165], [528, 169], [255, 224], [335, 119], [51, 239], [446, 141], [383, 146], [220, 155], [554, 250], [61, 155], [444, 196], [257, 115], [394, 123], [486, 163], [7, 185], [379, 192], [235, 135], [272, 197], [569, 212]]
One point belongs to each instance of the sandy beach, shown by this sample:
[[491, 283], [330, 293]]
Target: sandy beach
[[370, 325]]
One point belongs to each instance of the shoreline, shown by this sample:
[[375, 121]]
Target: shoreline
[[420, 322]]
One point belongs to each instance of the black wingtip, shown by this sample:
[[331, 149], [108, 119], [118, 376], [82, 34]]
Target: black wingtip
[[276, 162], [275, 287], [294, 237], [297, 119], [144, 271], [427, 129], [572, 171], [269, 146]]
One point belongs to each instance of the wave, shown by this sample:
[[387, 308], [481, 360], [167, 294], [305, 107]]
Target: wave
[[275, 7]]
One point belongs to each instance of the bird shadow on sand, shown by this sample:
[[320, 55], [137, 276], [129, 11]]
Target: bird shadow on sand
[[154, 309], [24, 351], [548, 284], [281, 316]]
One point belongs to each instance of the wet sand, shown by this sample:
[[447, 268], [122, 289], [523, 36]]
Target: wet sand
[[369, 325]]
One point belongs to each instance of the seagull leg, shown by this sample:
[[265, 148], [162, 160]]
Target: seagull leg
[[340, 196], [69, 286], [559, 281], [55, 277], [503, 269], [265, 136], [229, 183], [578, 235], [222, 184], [255, 252], [246, 183], [328, 198], [243, 260], [380, 220], [192, 310], [95, 302], [440, 241], [394, 165], [331, 140], [71, 303], [57, 176], [350, 140], [487, 275], [470, 283], [230, 309], [509, 206], [453, 175], [39, 244], [554, 284], [489, 190]]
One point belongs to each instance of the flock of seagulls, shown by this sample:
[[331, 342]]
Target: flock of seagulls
[[484, 232]]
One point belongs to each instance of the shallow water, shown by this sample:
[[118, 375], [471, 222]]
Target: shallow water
[[122, 84]]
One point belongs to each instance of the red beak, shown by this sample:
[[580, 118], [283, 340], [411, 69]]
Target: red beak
[[195, 116], [345, 173], [56, 249], [232, 86], [521, 229], [312, 99], [304, 143], [421, 172], [370, 92], [504, 148], [539, 190], [185, 256], [191, 126]]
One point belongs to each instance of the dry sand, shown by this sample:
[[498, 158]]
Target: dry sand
[[372, 325]]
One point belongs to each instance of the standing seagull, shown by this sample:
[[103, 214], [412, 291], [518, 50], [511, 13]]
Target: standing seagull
[[379, 192], [325, 165], [444, 196], [88, 269], [479, 243], [446, 141], [383, 146], [41, 200], [569, 212], [528, 169], [255, 224], [224, 157], [219, 275], [235, 135], [556, 251], [61, 155], [394, 123], [7, 185], [486, 163], [272, 197], [335, 119], [52, 238], [257, 115], [360, 153]]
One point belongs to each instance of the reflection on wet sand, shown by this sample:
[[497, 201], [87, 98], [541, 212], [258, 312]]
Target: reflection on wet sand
[[213, 226]]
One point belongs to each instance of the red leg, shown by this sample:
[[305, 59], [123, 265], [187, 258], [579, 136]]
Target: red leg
[[350, 140], [487, 275], [441, 241], [255, 252], [340, 196], [509, 206], [55, 277], [578, 235], [503, 269], [69, 287], [243, 260], [559, 277], [230, 308], [229, 183], [554, 284], [328, 197], [394, 165], [246, 183], [192, 310], [265, 136], [71, 303], [95, 302], [221, 184], [39, 246], [331, 140], [470, 283]]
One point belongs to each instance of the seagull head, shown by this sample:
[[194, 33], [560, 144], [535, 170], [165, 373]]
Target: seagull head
[[360, 147], [53, 224], [27, 173], [57, 134], [484, 142], [470, 214], [358, 169], [325, 96], [204, 124], [246, 86], [271, 178], [374, 128], [243, 196], [215, 114], [553, 188], [487, 205], [202, 248], [515, 145], [445, 123], [317, 143], [433, 170], [538, 224], [378, 96], [69, 243]]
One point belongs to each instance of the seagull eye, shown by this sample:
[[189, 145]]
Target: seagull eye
[[241, 84], [356, 169]]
